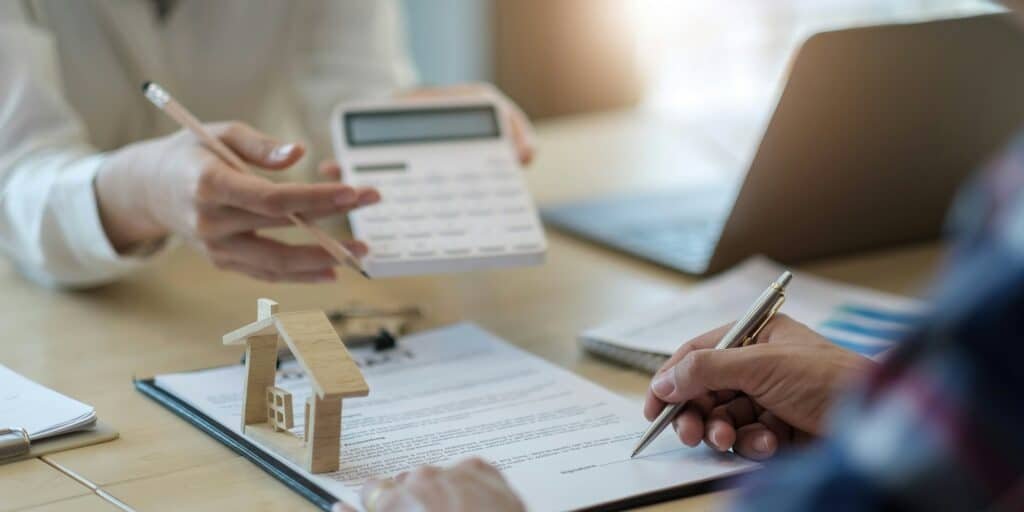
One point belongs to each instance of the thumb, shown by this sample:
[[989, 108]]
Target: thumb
[[258, 148], [702, 371]]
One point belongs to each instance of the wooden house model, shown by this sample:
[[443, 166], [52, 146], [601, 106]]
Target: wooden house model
[[267, 409]]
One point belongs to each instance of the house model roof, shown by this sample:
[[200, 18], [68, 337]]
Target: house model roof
[[316, 346]]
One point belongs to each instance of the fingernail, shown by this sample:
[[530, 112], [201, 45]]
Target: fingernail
[[761, 443], [663, 384], [345, 197], [282, 152], [716, 439]]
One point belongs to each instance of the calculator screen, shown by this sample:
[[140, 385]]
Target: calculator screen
[[371, 128]]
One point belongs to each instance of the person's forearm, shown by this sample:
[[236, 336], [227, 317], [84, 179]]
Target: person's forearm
[[50, 223]]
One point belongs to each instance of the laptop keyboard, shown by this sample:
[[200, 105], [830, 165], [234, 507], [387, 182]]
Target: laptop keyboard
[[678, 229]]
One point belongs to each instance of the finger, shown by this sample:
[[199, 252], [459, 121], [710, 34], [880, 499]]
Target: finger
[[723, 422], [425, 473], [367, 196], [270, 255], [253, 272], [357, 247], [259, 195], [692, 428], [375, 492], [218, 221], [424, 485], [755, 441], [329, 170], [652, 404], [689, 426], [255, 147], [342, 507], [782, 430], [476, 465], [706, 340], [705, 370], [519, 126]]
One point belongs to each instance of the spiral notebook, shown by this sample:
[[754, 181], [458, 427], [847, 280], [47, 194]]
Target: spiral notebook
[[36, 420], [866, 321]]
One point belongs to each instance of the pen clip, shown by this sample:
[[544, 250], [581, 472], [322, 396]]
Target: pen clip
[[749, 339]]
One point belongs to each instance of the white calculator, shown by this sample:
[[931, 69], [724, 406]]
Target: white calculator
[[453, 197]]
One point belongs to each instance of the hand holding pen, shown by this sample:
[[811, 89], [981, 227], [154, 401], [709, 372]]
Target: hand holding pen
[[752, 399]]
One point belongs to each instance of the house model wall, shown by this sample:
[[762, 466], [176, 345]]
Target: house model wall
[[333, 376]]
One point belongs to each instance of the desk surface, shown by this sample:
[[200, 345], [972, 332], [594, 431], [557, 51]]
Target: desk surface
[[90, 344]]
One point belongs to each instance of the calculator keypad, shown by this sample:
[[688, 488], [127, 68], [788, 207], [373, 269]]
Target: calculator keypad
[[430, 212]]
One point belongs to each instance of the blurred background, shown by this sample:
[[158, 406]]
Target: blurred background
[[686, 58]]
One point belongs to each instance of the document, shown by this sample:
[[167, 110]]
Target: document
[[866, 321], [562, 442]]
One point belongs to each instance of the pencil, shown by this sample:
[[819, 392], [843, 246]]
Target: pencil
[[165, 102]]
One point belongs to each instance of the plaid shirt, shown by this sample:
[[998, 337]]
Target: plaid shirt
[[940, 426]]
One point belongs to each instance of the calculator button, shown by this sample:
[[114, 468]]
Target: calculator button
[[441, 197], [408, 198], [412, 216], [479, 212], [468, 177], [491, 249], [528, 246], [519, 228], [447, 214]]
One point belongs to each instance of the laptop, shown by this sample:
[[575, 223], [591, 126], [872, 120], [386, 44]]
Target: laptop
[[875, 130]]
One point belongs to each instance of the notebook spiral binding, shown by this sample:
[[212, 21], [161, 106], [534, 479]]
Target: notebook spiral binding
[[638, 359], [13, 442]]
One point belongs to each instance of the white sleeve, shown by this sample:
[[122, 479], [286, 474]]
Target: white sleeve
[[344, 50], [49, 221]]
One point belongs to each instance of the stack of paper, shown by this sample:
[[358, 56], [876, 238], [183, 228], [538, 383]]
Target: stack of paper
[[865, 321], [39, 410]]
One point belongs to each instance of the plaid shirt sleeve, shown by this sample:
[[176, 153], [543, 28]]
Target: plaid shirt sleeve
[[940, 426]]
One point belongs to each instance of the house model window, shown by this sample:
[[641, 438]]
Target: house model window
[[267, 414]]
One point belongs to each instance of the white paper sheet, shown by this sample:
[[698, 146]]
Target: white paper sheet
[[866, 321], [448, 394], [40, 410]]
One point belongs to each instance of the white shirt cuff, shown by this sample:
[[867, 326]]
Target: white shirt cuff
[[96, 260]]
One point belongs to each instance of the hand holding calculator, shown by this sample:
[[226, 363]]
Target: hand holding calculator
[[453, 195]]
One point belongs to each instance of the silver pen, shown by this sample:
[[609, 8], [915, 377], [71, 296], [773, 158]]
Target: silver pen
[[744, 331]]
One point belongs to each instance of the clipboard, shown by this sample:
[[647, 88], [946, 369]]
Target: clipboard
[[99, 433], [325, 500], [239, 444]]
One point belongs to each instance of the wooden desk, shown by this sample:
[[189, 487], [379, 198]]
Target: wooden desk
[[170, 318]]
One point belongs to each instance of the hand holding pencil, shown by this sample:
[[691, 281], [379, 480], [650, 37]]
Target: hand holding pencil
[[194, 184]]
